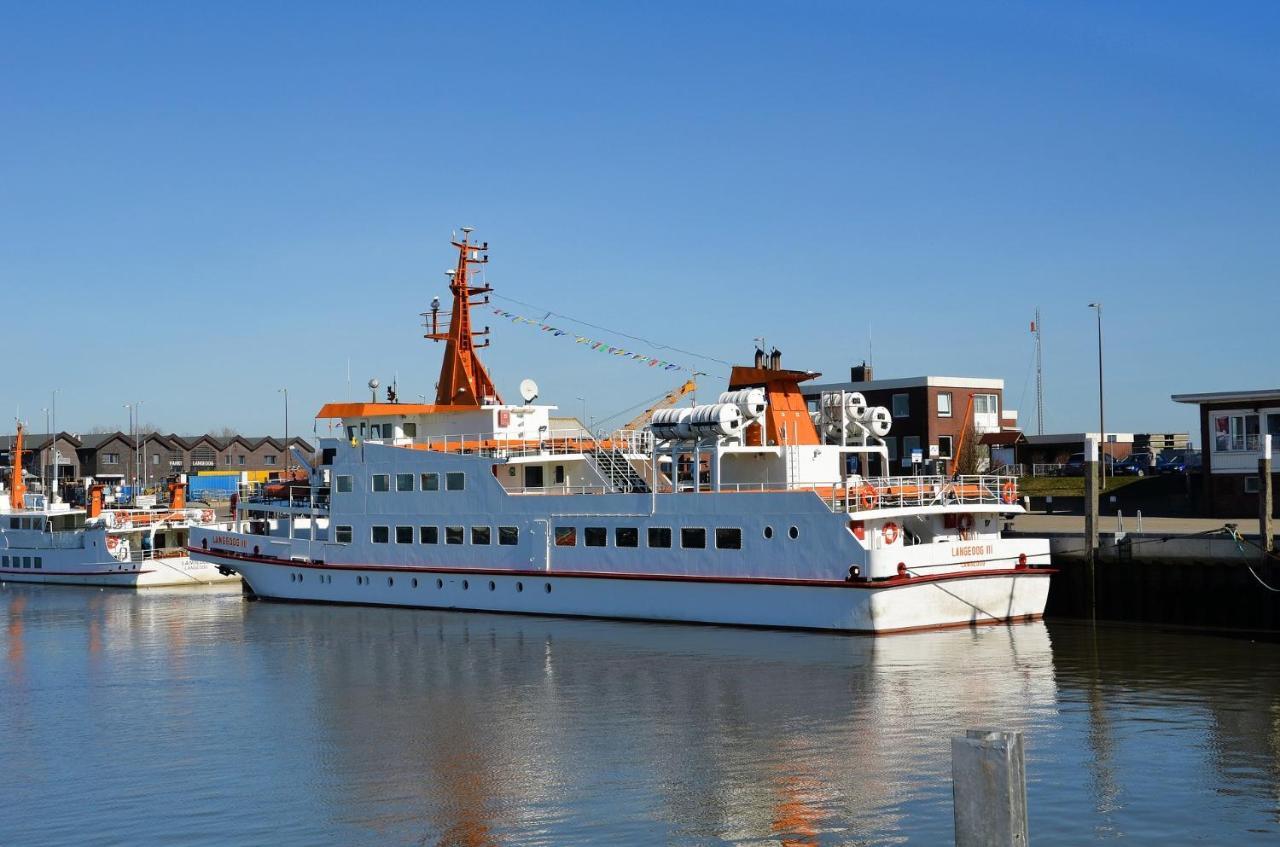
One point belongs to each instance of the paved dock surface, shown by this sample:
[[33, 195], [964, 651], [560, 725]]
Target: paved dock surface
[[1110, 523]]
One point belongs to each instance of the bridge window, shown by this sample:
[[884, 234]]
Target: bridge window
[[342, 534], [728, 538], [595, 536], [508, 536], [455, 481], [566, 536], [428, 535], [693, 537], [381, 534], [480, 534], [410, 430], [453, 535], [381, 482], [404, 535], [39, 562], [344, 484], [404, 482], [626, 536], [431, 482], [659, 536]]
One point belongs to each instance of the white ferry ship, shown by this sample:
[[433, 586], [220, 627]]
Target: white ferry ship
[[51, 542], [746, 511]]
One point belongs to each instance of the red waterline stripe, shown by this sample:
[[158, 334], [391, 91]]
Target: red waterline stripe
[[732, 580]]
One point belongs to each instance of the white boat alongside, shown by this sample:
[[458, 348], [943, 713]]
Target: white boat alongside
[[747, 511], [53, 543]]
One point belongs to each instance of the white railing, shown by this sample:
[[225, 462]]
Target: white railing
[[1047, 469], [895, 492], [556, 442]]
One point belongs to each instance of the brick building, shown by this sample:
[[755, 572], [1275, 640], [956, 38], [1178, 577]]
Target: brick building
[[931, 412], [1232, 424]]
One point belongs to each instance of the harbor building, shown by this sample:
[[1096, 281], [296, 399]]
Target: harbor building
[[1232, 424], [932, 413]]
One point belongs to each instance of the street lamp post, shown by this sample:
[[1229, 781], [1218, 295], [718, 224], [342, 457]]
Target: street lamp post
[[44, 454], [585, 425], [1102, 426], [285, 392]]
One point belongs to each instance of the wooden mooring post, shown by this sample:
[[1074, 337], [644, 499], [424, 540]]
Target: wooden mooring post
[[989, 789], [1092, 513], [1266, 529]]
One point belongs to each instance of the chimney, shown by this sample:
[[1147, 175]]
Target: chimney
[[860, 373]]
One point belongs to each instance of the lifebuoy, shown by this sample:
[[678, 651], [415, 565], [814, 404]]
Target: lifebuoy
[[206, 516], [890, 532], [1009, 492], [867, 496], [112, 543]]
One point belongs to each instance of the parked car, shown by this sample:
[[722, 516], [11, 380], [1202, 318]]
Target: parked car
[[1137, 464], [1075, 465], [1179, 463]]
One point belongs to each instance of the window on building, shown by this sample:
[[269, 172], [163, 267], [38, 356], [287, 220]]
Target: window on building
[[381, 482], [381, 534], [428, 535], [155, 458], [410, 430], [901, 405], [1251, 484], [1232, 433], [659, 536], [909, 443], [226, 460], [342, 534], [626, 536], [595, 536], [453, 535], [986, 404], [508, 536], [240, 459], [404, 482], [430, 482], [566, 536], [269, 460], [455, 481], [404, 535], [944, 447], [693, 537], [343, 482], [480, 534], [728, 538], [110, 458], [944, 404], [891, 444]]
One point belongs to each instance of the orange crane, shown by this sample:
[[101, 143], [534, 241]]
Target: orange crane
[[670, 399], [17, 487], [964, 431]]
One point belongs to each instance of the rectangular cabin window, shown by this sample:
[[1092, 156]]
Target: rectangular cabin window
[[342, 534], [728, 538], [659, 536], [559, 474], [404, 535], [626, 536], [13, 523], [455, 481], [428, 535], [39, 562], [693, 537], [4, 561], [380, 534], [410, 430], [508, 536], [344, 483], [404, 482], [566, 536], [363, 425], [381, 482], [480, 534], [595, 536], [453, 535], [26, 562], [351, 433], [430, 482]]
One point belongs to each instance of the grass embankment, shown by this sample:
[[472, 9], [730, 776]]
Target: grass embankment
[[1067, 486]]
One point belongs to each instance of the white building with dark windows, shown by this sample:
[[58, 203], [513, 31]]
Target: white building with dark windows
[[1232, 426]]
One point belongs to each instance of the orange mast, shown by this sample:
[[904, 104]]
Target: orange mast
[[463, 379], [17, 488]]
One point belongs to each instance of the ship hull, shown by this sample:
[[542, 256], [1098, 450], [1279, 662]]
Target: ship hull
[[887, 606], [151, 573]]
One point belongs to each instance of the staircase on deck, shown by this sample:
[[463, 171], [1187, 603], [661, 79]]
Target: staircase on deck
[[617, 471]]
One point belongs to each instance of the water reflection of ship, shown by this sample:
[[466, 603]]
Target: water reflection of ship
[[483, 723]]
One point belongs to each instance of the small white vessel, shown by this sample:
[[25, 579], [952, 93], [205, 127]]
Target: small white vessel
[[54, 543], [754, 510]]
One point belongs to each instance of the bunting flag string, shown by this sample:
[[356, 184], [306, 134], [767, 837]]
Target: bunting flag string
[[596, 345]]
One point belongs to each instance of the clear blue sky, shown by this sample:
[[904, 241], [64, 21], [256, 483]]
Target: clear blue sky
[[200, 204]]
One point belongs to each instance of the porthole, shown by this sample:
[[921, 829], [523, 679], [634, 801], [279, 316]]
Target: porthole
[[519, 586], [491, 585], [768, 532], [546, 586], [794, 532], [465, 585], [439, 583], [391, 581], [414, 582], [293, 577]]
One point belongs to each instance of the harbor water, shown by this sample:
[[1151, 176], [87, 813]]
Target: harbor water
[[194, 717]]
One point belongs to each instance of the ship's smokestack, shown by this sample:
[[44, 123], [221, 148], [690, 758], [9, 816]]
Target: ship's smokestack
[[775, 359], [759, 358]]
